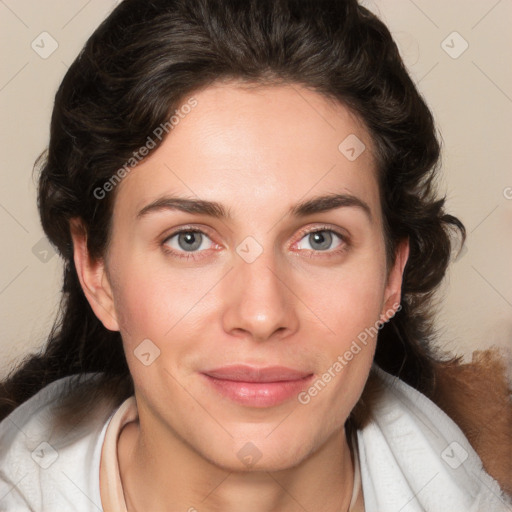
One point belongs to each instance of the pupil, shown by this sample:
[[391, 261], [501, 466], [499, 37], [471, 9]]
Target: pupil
[[322, 239], [189, 241]]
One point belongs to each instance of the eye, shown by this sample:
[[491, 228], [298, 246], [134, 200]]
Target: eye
[[321, 240], [188, 241]]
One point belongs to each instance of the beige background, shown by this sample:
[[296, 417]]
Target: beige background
[[469, 92]]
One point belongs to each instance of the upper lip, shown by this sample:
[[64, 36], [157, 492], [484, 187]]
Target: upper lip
[[244, 373]]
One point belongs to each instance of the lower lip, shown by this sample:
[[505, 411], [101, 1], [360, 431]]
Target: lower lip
[[259, 394]]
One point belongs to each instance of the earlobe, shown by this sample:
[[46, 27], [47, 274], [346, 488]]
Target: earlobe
[[393, 292], [93, 278]]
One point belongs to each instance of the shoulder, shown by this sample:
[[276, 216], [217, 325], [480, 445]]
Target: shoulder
[[44, 466], [412, 453], [477, 395]]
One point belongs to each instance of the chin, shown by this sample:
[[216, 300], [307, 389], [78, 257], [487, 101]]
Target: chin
[[262, 465], [248, 456]]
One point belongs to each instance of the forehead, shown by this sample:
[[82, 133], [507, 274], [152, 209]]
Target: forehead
[[246, 145]]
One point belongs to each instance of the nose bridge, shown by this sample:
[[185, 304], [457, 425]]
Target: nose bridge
[[261, 277], [259, 302]]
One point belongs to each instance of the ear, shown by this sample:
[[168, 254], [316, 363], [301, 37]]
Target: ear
[[393, 291], [93, 278]]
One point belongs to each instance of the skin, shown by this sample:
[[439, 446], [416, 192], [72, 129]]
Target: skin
[[258, 152]]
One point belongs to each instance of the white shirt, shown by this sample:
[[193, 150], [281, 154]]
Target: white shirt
[[412, 457]]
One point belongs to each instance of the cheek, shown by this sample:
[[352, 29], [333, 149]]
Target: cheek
[[156, 302], [151, 309], [141, 309], [347, 299], [347, 351], [147, 296], [348, 304], [350, 315]]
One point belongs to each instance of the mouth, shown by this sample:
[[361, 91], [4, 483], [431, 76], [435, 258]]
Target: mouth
[[258, 387]]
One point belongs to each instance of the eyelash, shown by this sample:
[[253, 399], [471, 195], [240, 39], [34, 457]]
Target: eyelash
[[195, 255]]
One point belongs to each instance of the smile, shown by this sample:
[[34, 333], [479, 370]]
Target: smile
[[258, 387]]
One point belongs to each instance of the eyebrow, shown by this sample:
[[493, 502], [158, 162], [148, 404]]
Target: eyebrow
[[214, 209]]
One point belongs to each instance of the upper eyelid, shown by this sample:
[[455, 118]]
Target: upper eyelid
[[186, 229], [307, 231]]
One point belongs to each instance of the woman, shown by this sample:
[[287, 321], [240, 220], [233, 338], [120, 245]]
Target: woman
[[243, 195]]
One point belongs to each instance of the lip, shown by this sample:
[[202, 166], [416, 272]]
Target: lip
[[258, 387]]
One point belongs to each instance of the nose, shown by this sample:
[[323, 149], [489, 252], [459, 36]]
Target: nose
[[260, 303]]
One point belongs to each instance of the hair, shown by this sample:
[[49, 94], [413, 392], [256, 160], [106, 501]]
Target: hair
[[145, 59]]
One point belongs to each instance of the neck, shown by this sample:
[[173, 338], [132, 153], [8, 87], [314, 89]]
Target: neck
[[162, 472]]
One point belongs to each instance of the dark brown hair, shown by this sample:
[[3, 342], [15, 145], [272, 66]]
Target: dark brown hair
[[145, 59]]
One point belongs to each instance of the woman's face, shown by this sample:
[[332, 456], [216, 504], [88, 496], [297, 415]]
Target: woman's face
[[280, 267]]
